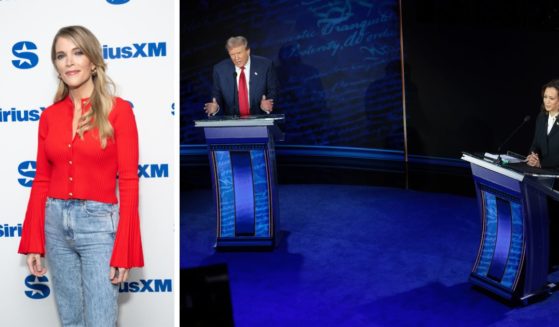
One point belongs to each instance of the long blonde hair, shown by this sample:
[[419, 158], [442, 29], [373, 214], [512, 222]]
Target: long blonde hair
[[102, 98]]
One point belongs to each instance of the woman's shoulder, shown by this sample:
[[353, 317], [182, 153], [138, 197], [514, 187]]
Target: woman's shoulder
[[121, 104], [542, 115], [57, 108], [121, 107]]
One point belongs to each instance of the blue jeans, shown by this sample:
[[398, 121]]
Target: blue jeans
[[79, 237]]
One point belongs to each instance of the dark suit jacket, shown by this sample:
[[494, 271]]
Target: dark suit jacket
[[263, 81], [546, 146]]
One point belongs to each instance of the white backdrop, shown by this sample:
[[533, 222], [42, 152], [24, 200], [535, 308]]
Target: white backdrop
[[143, 33]]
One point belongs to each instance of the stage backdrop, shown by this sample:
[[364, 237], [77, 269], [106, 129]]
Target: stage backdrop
[[137, 40], [338, 65]]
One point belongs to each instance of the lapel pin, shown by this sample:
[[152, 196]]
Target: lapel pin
[[255, 73]]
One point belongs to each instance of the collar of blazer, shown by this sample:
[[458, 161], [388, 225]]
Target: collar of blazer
[[555, 127]]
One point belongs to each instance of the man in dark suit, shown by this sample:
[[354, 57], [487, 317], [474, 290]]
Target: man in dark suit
[[244, 84]]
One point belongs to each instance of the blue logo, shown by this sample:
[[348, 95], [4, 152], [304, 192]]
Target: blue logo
[[27, 170], [117, 2], [153, 170], [136, 50], [20, 115], [10, 231], [147, 285], [27, 58], [40, 289]]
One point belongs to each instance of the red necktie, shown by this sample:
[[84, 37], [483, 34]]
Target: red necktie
[[243, 94]]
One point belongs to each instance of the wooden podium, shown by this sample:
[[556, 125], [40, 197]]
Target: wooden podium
[[243, 169], [513, 256]]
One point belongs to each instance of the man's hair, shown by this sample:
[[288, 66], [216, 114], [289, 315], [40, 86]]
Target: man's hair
[[236, 41]]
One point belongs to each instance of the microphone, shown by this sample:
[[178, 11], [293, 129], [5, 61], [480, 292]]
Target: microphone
[[524, 121]]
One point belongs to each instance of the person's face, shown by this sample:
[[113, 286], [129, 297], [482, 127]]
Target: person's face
[[73, 66], [239, 55], [551, 100]]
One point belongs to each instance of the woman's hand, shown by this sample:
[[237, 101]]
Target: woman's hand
[[118, 275], [35, 265], [533, 160]]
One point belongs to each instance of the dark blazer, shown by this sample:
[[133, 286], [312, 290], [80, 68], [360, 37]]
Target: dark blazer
[[263, 81], [546, 146]]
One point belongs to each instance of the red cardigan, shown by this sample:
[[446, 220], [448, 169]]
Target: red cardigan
[[80, 169]]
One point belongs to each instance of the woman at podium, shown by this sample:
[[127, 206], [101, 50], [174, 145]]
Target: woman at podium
[[544, 152]]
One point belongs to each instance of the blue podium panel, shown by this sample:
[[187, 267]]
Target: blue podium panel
[[512, 260], [243, 197], [502, 242], [242, 161]]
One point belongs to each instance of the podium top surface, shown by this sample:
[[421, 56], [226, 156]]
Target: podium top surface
[[489, 164], [513, 170], [236, 121]]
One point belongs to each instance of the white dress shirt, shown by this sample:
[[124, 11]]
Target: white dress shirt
[[550, 122]]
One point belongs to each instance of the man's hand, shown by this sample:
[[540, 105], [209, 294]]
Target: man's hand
[[211, 107], [267, 105]]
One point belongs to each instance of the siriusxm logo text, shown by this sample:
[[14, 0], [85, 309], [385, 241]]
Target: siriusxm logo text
[[27, 57], [20, 115], [27, 170], [153, 170], [137, 50], [147, 285], [38, 286], [10, 231]]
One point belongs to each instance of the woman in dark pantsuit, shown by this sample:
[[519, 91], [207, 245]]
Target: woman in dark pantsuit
[[544, 153]]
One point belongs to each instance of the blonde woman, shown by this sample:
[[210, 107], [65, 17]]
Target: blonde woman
[[87, 139]]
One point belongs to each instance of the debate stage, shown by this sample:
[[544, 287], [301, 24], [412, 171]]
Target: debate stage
[[356, 255]]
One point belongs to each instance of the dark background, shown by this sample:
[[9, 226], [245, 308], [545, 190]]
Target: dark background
[[475, 71]]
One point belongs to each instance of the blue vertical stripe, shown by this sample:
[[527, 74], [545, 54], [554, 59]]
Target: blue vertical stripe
[[490, 235], [261, 195], [226, 194], [502, 246], [244, 193], [512, 270]]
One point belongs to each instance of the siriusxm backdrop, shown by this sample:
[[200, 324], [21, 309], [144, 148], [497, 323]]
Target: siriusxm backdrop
[[137, 38], [338, 65]]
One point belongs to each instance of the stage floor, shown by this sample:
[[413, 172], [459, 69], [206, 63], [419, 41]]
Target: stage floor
[[358, 256]]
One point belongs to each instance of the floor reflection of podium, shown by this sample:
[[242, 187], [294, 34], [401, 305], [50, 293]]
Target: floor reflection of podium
[[513, 257], [243, 169]]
